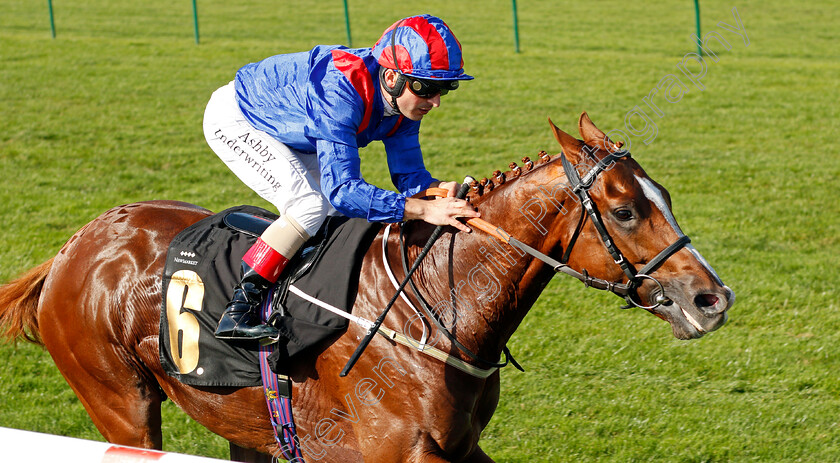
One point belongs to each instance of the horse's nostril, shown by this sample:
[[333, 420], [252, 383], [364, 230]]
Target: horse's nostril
[[705, 300]]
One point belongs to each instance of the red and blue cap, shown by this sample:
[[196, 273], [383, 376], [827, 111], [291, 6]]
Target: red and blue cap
[[425, 48]]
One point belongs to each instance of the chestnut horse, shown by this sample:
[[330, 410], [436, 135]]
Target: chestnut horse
[[96, 308]]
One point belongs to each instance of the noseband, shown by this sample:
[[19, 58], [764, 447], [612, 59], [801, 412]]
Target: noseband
[[580, 187]]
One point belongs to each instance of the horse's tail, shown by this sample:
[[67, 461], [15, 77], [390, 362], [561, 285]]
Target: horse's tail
[[19, 305]]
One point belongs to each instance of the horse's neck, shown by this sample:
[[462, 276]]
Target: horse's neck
[[489, 284]]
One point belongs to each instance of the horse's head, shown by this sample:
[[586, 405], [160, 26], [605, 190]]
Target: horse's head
[[677, 283]]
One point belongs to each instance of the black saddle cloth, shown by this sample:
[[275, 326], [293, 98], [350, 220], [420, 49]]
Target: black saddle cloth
[[203, 266]]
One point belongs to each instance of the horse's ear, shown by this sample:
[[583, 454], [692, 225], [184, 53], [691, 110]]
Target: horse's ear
[[571, 145], [591, 135]]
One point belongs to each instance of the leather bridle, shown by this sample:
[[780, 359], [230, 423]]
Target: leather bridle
[[580, 187]]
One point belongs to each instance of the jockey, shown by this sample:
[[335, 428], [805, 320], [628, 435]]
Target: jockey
[[290, 127]]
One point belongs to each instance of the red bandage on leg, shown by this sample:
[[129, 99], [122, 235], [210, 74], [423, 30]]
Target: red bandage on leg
[[267, 262]]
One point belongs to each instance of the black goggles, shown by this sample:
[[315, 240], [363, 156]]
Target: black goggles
[[426, 88]]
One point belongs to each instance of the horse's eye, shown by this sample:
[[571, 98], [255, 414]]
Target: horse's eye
[[623, 215]]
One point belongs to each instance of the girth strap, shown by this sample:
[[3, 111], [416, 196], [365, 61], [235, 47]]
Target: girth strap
[[278, 398]]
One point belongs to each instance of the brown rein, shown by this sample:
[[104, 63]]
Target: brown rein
[[499, 233], [580, 188]]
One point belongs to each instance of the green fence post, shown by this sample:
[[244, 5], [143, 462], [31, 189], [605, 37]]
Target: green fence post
[[515, 28], [195, 20], [347, 25], [52, 21], [697, 20]]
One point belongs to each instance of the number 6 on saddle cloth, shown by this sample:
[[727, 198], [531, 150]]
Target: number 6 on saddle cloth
[[202, 267]]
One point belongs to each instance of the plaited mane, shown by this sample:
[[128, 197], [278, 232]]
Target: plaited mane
[[478, 189]]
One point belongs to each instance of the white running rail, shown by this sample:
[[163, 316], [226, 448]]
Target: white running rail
[[33, 447]]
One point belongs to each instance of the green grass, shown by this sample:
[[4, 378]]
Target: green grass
[[110, 113]]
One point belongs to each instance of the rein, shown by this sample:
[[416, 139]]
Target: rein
[[430, 314], [580, 187]]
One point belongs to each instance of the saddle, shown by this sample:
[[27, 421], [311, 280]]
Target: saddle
[[201, 270]]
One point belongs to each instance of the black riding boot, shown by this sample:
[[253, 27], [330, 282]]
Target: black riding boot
[[241, 319]]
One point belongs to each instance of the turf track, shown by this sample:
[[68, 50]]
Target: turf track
[[110, 113]]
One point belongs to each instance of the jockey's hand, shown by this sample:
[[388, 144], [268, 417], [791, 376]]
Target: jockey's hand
[[441, 211], [451, 187]]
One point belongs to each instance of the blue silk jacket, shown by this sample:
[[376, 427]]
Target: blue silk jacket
[[328, 102]]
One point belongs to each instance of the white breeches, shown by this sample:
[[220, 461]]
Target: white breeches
[[288, 179]]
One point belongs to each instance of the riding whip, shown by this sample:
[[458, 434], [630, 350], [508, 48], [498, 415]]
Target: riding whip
[[371, 332]]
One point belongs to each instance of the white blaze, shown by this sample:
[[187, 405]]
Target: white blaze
[[655, 196]]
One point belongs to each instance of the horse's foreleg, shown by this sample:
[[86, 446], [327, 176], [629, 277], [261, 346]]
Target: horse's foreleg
[[238, 453], [478, 456]]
